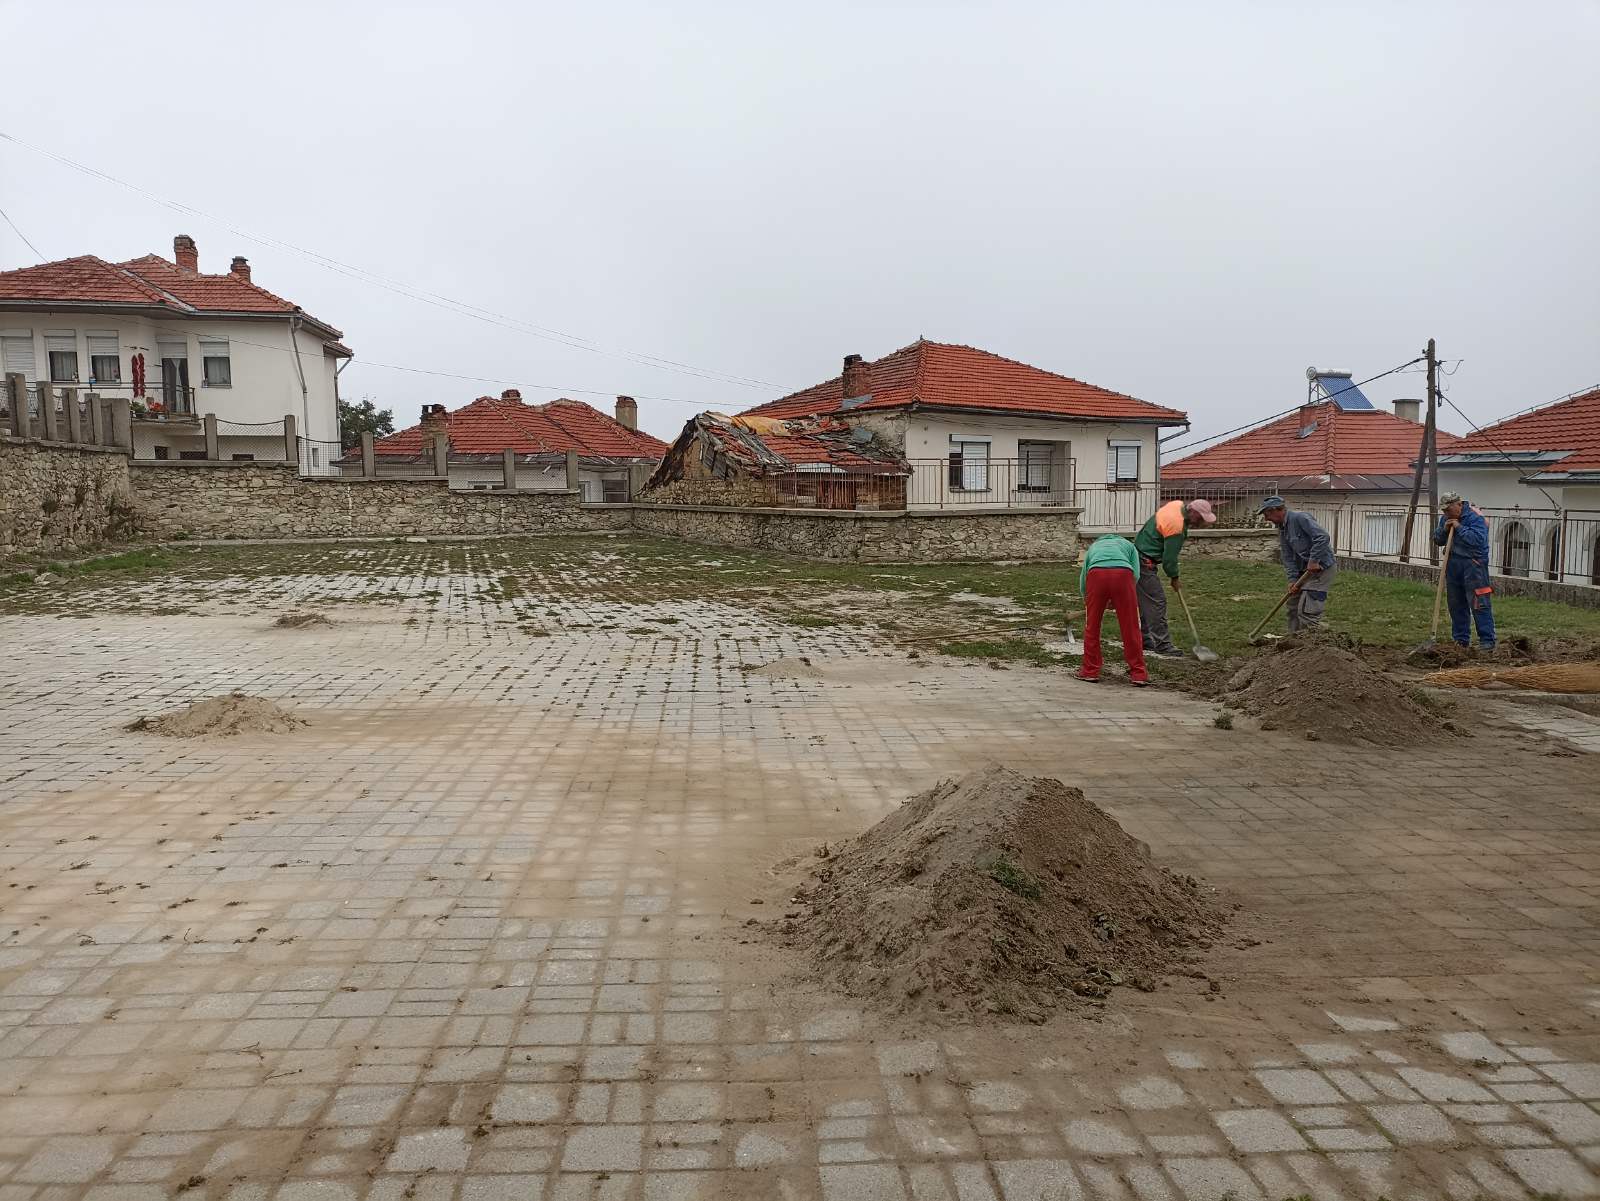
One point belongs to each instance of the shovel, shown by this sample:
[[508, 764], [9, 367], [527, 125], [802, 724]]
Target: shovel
[[1255, 634], [1203, 653], [1438, 595]]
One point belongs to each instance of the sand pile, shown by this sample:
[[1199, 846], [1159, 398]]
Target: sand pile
[[997, 895], [235, 713], [300, 621], [1317, 687]]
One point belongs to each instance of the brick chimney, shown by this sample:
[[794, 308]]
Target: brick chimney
[[512, 394], [240, 268], [433, 422], [186, 254], [628, 412], [1408, 410], [857, 380]]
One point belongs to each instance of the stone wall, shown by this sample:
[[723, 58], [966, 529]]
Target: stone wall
[[1580, 595], [1049, 535], [1241, 545], [55, 496], [264, 500]]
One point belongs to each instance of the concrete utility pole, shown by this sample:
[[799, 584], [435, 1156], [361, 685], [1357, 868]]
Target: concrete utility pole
[[1425, 457]]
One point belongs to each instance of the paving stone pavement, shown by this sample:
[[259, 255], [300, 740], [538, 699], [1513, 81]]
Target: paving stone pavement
[[476, 931]]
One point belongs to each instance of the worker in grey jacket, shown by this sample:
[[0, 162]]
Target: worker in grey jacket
[[1303, 547]]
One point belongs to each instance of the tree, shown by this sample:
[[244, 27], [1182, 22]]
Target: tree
[[363, 418]]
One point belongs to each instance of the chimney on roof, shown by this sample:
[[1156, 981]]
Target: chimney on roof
[[857, 378], [240, 268], [628, 412], [434, 423], [186, 254], [511, 394], [1408, 410]]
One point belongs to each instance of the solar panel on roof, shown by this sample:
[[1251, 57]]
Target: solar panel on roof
[[1343, 393]]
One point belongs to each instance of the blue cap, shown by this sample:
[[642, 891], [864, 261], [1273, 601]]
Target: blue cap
[[1272, 502]]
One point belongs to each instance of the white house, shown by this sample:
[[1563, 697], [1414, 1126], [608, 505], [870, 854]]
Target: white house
[[980, 430], [1536, 477], [178, 344]]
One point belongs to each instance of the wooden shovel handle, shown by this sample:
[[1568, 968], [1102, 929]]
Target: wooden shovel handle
[[1304, 576], [1438, 589]]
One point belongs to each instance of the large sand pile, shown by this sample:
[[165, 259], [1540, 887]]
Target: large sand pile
[[1318, 688], [997, 895], [235, 713]]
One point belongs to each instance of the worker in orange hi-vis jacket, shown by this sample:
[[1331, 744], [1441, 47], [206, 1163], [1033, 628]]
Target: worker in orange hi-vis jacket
[[1158, 544]]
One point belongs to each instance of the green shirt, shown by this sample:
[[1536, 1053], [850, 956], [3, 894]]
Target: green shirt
[[1163, 536], [1108, 550]]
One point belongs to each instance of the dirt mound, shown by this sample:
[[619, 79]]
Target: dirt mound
[[1322, 689], [300, 621], [786, 669], [995, 896], [235, 713]]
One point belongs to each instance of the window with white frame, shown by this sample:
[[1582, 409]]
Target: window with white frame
[[1122, 462], [1380, 533], [216, 371], [16, 353], [969, 464], [1034, 462], [105, 357], [61, 349], [316, 456]]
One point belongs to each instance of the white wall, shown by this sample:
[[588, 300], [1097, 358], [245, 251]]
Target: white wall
[[265, 385], [927, 436]]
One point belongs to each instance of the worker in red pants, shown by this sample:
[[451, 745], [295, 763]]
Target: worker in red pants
[[1110, 576]]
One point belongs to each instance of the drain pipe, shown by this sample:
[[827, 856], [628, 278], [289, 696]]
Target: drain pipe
[[305, 398]]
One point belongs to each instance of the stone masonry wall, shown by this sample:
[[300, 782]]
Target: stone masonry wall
[[1245, 546], [59, 497], [1583, 596], [873, 537], [261, 500]]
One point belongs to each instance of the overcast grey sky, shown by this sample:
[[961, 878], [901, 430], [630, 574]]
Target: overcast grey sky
[[1187, 202]]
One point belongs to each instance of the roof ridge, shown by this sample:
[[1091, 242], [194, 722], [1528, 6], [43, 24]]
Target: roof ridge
[[1548, 407]]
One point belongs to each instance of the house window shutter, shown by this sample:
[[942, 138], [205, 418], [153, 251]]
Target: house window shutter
[[17, 351], [1122, 462], [1111, 464], [102, 342]]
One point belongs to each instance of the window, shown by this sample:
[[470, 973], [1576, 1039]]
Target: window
[[244, 458], [1034, 460], [193, 456], [1516, 553], [162, 452], [1381, 533], [589, 491], [61, 345], [1122, 462], [969, 464], [316, 456], [1552, 555], [215, 369], [16, 349], [174, 355], [105, 359]]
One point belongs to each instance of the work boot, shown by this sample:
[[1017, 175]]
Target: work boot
[[1170, 652]]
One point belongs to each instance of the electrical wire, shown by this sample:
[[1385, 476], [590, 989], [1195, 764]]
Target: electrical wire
[[1266, 420], [21, 235], [400, 288], [1477, 429]]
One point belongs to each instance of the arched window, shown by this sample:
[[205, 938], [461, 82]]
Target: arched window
[[1552, 553], [1516, 549], [1594, 560]]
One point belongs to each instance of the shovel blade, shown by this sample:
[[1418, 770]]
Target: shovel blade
[[1205, 654]]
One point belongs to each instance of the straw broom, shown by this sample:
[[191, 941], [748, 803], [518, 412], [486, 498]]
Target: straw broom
[[1543, 677]]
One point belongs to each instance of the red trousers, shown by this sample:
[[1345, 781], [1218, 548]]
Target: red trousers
[[1113, 586]]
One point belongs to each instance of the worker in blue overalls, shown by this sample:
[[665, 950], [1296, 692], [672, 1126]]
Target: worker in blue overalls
[[1466, 575]]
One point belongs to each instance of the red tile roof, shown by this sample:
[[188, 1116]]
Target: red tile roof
[[148, 282], [939, 375], [1346, 448], [1571, 425], [491, 425]]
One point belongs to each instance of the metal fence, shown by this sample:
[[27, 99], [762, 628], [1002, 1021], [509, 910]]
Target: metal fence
[[1028, 483]]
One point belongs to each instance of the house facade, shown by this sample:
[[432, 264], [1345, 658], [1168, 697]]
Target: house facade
[[479, 436], [178, 344], [1536, 478], [1338, 457], [981, 430]]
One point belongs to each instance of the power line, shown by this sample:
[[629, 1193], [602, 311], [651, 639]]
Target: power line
[[400, 288], [1265, 420], [1477, 429], [21, 235]]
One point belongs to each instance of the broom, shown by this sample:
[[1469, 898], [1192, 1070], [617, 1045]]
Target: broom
[[1543, 677]]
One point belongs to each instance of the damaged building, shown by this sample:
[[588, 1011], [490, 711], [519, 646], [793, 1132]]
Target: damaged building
[[805, 462]]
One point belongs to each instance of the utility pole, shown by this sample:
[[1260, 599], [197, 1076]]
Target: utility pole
[[1432, 435], [1427, 461]]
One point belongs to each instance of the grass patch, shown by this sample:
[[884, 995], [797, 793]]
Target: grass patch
[[1223, 720], [1011, 649], [1014, 879]]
